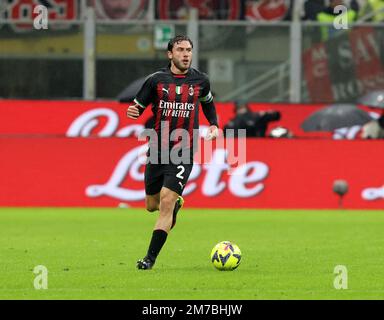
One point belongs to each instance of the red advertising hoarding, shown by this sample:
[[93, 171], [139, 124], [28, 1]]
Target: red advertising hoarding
[[105, 172], [108, 118]]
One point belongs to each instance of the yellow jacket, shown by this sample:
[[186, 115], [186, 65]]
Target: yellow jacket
[[376, 6], [329, 31]]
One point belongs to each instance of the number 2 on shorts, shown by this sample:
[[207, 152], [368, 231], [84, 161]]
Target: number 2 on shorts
[[179, 175]]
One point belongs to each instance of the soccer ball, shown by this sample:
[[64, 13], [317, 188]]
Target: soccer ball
[[226, 256]]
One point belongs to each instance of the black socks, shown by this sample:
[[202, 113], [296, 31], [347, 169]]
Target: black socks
[[158, 239]]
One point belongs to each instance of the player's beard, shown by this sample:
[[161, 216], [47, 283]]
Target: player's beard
[[179, 65]]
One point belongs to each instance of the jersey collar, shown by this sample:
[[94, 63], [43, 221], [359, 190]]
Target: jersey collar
[[179, 76]]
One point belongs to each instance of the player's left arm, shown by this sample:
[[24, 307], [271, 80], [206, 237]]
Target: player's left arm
[[209, 110]]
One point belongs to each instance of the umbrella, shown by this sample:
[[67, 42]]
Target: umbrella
[[374, 99], [334, 117], [129, 93]]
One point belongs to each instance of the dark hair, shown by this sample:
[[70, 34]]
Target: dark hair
[[275, 115], [241, 104], [177, 39]]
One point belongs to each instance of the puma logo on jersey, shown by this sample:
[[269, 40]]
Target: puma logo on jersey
[[166, 90]]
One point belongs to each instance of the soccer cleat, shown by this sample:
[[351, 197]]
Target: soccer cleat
[[179, 204], [145, 264]]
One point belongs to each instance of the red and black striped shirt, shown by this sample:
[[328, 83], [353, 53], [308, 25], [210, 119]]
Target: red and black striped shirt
[[175, 102]]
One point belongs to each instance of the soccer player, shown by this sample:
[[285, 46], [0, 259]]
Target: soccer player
[[175, 93]]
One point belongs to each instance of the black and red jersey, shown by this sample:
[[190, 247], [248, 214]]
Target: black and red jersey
[[175, 100]]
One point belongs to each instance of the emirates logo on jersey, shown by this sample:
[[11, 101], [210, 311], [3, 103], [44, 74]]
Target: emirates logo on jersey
[[191, 91], [176, 109], [176, 105]]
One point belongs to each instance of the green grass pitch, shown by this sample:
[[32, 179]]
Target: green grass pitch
[[286, 254]]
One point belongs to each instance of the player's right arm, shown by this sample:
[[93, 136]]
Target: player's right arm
[[143, 99], [133, 111]]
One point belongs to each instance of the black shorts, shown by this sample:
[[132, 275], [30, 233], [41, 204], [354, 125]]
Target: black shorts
[[171, 176]]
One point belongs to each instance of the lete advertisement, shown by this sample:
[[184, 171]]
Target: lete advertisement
[[87, 154], [109, 172]]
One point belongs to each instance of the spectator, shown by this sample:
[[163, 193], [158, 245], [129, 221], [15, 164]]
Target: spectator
[[355, 5], [255, 123], [328, 16], [312, 8], [376, 6]]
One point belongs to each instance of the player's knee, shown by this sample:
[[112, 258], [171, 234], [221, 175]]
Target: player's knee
[[151, 205], [152, 209]]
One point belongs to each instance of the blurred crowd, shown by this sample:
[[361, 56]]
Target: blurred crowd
[[324, 10], [317, 10]]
